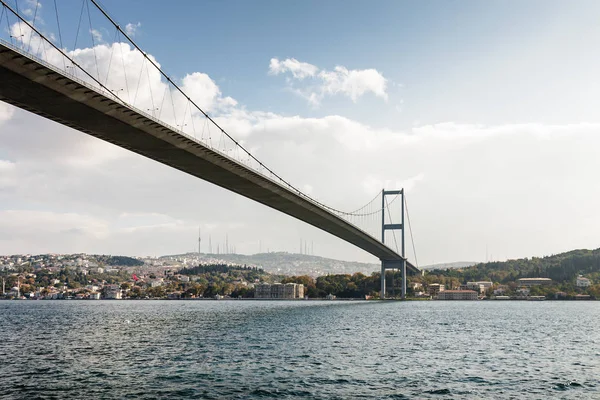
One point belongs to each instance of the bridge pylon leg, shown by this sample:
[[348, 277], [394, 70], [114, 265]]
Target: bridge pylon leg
[[404, 279], [382, 292], [390, 226]]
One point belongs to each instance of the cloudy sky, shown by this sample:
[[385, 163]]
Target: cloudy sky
[[485, 112]]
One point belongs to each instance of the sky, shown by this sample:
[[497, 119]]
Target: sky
[[485, 112]]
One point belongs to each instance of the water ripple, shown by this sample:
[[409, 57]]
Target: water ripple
[[289, 350]]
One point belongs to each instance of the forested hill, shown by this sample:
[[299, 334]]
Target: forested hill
[[559, 267], [118, 260]]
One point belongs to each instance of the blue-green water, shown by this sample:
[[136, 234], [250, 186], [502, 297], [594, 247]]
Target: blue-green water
[[305, 349]]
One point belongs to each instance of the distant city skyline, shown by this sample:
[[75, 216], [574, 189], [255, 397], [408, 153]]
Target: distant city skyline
[[484, 112]]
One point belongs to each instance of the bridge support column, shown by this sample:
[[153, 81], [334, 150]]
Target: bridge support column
[[403, 279], [394, 264], [382, 292]]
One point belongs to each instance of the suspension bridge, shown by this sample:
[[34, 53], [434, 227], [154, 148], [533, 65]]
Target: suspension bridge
[[93, 87]]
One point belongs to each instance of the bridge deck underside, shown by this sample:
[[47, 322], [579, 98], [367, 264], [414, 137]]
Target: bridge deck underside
[[32, 86]]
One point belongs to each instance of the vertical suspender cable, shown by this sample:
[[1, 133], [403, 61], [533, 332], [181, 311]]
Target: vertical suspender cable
[[411, 233], [60, 41]]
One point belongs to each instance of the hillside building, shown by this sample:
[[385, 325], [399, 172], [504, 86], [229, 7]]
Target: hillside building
[[480, 286], [583, 282]]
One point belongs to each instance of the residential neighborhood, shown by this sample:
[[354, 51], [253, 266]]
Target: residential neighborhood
[[191, 276]]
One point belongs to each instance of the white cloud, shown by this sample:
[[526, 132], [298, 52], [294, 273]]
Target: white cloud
[[453, 130], [308, 189], [19, 223], [97, 35], [203, 90], [6, 112], [30, 9], [410, 183], [6, 166], [299, 70], [351, 83], [374, 184], [7, 174], [482, 176], [131, 29]]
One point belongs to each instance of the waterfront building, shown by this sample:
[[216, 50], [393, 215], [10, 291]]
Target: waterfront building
[[113, 292], [298, 290], [534, 281], [500, 290], [279, 291], [583, 282], [95, 296], [457, 295], [435, 289], [262, 291], [481, 286], [289, 291]]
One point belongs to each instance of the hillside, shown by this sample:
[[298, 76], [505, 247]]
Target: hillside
[[562, 267], [285, 263], [451, 265]]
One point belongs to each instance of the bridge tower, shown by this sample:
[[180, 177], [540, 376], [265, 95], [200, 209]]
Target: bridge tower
[[384, 227]]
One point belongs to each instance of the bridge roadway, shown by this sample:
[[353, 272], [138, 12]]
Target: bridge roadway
[[40, 88]]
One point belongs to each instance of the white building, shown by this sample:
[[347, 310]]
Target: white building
[[478, 285], [500, 290], [583, 282], [156, 282]]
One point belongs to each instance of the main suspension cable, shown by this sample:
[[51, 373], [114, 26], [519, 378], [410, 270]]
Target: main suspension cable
[[60, 51], [209, 118], [84, 8]]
